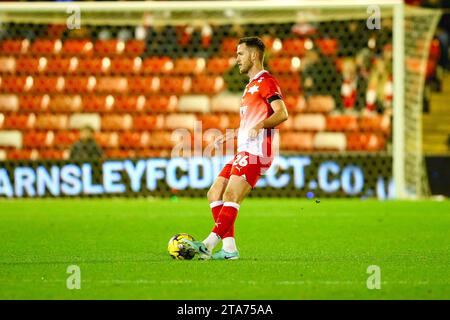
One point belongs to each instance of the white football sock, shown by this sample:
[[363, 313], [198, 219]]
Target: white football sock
[[211, 241], [229, 244]]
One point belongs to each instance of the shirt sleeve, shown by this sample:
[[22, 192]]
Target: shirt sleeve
[[270, 90]]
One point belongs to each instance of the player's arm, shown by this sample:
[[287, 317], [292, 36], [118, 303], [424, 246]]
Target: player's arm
[[230, 134], [279, 115]]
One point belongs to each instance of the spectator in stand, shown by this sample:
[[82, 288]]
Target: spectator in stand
[[363, 62], [86, 148], [354, 87], [379, 92]]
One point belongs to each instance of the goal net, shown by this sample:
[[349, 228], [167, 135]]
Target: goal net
[[153, 80]]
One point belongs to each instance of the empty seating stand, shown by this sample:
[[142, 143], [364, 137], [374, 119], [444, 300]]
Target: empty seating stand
[[51, 87]]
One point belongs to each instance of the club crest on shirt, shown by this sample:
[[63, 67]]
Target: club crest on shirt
[[253, 89]]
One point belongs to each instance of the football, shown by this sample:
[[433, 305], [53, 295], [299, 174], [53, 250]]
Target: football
[[178, 250]]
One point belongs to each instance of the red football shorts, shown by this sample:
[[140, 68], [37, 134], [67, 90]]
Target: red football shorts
[[246, 165]]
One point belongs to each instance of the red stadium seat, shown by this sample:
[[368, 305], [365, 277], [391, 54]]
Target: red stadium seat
[[413, 64], [46, 46], [15, 46], [7, 64], [109, 47], [290, 84], [135, 47], [207, 84], [80, 84], [161, 103], [116, 122], [283, 65], [342, 123], [19, 121], [219, 65], [157, 65], [90, 66], [52, 122], [125, 66], [22, 154], [229, 46], [234, 121], [365, 142], [294, 47], [129, 104], [66, 103], [119, 154], [38, 139], [15, 84], [161, 140], [144, 84], [30, 65], [48, 84], [339, 63], [146, 153], [64, 139], [77, 47], [213, 121], [328, 47], [98, 103], [132, 140], [153, 122], [52, 154], [189, 66], [175, 84], [60, 65], [34, 103], [376, 123], [107, 139], [56, 31], [112, 85], [296, 141]]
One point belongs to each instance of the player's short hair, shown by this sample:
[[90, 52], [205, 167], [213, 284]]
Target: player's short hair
[[254, 42]]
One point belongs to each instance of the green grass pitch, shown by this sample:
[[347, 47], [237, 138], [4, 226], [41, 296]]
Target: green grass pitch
[[290, 249]]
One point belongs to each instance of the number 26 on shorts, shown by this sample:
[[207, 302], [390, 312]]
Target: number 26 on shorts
[[240, 160]]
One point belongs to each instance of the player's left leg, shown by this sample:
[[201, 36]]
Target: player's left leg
[[215, 195], [237, 189]]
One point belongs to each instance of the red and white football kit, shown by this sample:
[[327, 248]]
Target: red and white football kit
[[254, 156]]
